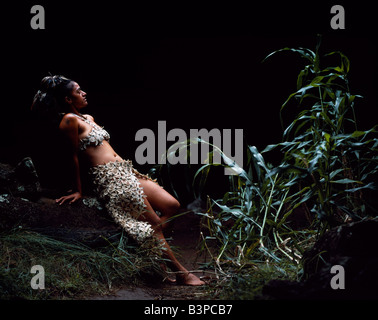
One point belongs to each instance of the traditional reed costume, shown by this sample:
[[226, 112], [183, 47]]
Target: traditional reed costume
[[117, 185]]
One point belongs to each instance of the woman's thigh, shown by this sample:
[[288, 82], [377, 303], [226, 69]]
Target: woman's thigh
[[159, 198]]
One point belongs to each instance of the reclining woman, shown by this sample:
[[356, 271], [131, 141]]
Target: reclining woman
[[130, 197]]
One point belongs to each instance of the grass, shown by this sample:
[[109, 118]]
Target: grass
[[248, 283], [72, 271]]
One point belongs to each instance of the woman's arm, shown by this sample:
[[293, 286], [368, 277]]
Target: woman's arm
[[70, 127]]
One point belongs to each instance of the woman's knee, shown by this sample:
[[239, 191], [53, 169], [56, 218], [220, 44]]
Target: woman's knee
[[173, 206]]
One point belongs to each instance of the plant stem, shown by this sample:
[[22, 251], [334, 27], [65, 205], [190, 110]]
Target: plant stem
[[267, 207]]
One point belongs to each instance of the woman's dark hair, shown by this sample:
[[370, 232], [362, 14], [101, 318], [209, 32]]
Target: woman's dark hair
[[49, 101]]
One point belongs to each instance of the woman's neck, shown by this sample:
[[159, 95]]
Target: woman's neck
[[73, 110]]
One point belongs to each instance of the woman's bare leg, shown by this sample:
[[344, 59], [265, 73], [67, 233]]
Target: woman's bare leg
[[161, 201], [167, 205]]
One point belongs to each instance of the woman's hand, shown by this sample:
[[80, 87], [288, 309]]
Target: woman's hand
[[73, 197]]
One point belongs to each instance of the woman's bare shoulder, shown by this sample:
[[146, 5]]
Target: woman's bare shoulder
[[68, 121]]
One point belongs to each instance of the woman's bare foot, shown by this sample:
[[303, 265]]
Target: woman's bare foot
[[169, 280], [189, 279]]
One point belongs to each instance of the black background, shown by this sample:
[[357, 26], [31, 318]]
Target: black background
[[193, 64]]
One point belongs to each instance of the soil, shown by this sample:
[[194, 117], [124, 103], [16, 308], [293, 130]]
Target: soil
[[184, 240]]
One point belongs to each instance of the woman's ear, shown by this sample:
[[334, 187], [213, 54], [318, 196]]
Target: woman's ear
[[68, 100]]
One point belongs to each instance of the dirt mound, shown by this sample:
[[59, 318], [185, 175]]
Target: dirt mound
[[24, 204]]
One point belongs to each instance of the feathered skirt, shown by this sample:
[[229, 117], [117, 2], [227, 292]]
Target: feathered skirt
[[117, 186]]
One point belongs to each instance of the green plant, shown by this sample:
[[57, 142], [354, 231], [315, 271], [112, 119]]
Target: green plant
[[251, 216], [327, 163], [326, 158]]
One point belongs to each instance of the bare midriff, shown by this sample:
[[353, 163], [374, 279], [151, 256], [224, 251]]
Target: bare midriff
[[101, 154]]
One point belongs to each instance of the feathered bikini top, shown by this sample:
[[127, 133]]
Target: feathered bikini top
[[95, 137]]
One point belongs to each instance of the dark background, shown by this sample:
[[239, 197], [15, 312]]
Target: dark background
[[193, 65]]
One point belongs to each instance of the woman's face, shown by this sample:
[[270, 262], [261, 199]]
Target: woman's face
[[78, 97]]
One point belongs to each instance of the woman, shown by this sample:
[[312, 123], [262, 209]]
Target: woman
[[130, 197]]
